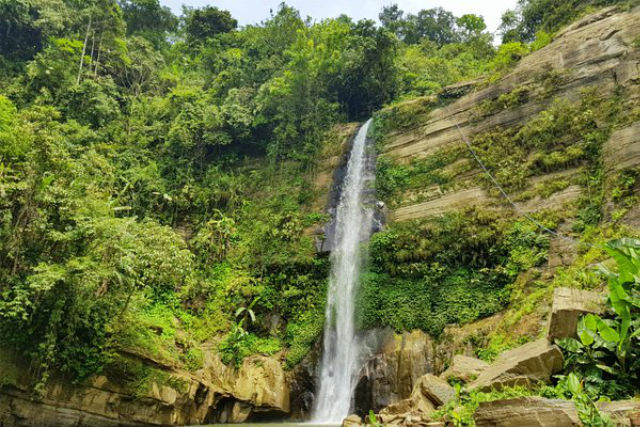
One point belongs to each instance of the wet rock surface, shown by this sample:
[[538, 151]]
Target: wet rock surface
[[391, 373]]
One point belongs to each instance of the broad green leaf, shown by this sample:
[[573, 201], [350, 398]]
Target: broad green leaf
[[573, 383], [607, 332], [590, 322], [608, 369], [570, 344], [586, 338]]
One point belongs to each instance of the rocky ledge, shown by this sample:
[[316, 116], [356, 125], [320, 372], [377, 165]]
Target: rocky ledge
[[530, 364], [215, 394]]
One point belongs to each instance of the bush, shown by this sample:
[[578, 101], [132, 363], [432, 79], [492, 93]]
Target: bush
[[455, 269], [607, 352]]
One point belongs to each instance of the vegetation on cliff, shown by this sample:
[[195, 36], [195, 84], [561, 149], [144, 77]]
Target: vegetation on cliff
[[157, 176]]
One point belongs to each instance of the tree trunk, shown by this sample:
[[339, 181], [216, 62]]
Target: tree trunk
[[95, 70], [84, 49]]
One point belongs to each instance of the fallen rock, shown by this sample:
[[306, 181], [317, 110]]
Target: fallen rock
[[240, 413], [622, 412], [528, 364], [437, 390], [429, 393], [464, 368], [408, 419], [352, 421], [391, 374], [406, 406], [527, 412], [568, 305]]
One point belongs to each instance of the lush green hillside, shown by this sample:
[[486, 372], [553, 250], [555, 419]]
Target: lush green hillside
[[158, 176]]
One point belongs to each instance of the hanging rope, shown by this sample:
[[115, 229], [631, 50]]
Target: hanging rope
[[504, 193]]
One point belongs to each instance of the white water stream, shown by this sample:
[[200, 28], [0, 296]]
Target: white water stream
[[340, 357]]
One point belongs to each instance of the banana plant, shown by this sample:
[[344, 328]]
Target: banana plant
[[610, 344], [624, 298]]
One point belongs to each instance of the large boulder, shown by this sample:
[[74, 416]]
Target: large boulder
[[464, 368], [429, 393], [527, 412], [528, 364], [261, 381], [352, 421], [567, 307], [437, 390], [622, 412], [391, 373]]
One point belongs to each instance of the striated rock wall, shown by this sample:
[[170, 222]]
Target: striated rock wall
[[392, 371], [599, 53], [596, 52], [216, 393]]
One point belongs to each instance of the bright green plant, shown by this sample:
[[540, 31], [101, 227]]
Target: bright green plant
[[587, 410], [373, 420], [607, 351]]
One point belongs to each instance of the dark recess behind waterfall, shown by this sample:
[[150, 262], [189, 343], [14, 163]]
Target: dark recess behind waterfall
[[326, 235]]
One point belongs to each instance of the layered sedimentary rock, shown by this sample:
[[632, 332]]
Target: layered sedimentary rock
[[595, 52], [527, 411], [567, 307], [525, 365], [464, 368], [216, 393], [391, 373]]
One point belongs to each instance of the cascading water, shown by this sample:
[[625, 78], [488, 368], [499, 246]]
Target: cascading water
[[340, 357]]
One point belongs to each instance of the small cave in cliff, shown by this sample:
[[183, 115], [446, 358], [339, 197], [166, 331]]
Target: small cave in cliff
[[363, 397], [265, 416], [222, 412]]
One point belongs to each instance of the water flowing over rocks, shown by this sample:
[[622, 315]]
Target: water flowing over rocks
[[594, 52], [341, 358]]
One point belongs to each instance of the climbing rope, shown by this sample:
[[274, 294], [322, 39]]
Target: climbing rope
[[504, 193]]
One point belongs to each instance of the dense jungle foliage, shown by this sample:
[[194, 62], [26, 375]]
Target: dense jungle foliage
[[156, 177]]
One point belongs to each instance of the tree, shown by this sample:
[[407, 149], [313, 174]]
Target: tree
[[391, 18], [25, 25], [470, 27], [148, 19], [509, 27], [435, 24], [205, 23]]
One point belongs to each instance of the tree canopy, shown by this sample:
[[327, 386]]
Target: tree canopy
[[161, 167]]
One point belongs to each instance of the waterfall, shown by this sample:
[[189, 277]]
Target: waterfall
[[340, 357]]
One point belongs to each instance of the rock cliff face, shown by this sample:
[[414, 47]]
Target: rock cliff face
[[391, 373], [216, 393], [597, 52], [599, 55]]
